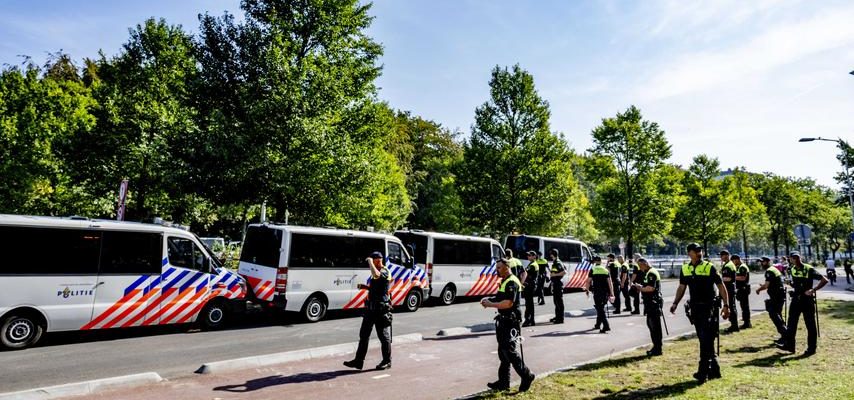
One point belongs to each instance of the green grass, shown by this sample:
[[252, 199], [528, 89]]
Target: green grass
[[751, 368]]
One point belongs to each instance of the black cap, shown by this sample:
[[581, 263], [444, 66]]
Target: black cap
[[694, 247], [764, 258], [376, 254], [736, 255], [724, 251], [611, 255], [532, 253], [795, 254]]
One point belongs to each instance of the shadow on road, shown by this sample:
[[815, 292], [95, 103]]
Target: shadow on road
[[568, 333], [277, 380], [459, 337], [663, 391]]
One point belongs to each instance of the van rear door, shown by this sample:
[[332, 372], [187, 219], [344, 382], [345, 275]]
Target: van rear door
[[129, 270], [260, 258]]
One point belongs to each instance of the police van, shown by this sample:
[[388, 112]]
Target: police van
[[574, 254], [312, 270], [65, 274], [456, 265]]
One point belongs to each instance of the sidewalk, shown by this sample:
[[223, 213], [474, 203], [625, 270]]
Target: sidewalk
[[437, 367]]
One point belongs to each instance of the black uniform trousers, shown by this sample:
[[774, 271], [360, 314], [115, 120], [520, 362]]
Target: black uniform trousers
[[557, 294], [507, 331], [626, 293], [541, 287], [733, 309], [742, 294], [653, 322], [706, 327], [802, 305], [848, 275], [600, 301], [635, 295], [528, 294], [379, 319], [617, 302], [774, 306]]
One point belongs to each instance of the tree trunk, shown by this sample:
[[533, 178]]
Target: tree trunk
[[743, 240]]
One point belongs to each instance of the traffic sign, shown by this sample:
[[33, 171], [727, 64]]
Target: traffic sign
[[803, 232]]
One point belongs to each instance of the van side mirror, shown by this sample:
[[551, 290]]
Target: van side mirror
[[409, 263]]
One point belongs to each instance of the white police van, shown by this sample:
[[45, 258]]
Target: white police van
[[456, 265], [312, 270], [573, 253], [65, 274]]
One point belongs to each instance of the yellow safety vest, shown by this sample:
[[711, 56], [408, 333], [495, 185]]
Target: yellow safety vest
[[702, 269], [600, 270], [510, 278]]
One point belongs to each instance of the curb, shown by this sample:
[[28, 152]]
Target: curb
[[489, 327], [295, 355], [84, 388]]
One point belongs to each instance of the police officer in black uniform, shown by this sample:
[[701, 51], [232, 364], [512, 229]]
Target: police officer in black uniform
[[603, 292], [637, 278], [701, 277], [377, 314], [803, 302], [728, 272], [543, 265], [742, 290], [652, 304], [529, 287], [507, 329], [614, 268], [776, 297], [556, 273]]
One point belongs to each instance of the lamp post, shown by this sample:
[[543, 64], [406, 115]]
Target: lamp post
[[845, 147]]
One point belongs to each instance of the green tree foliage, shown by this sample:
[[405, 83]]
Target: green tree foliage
[[635, 193], [516, 174], [749, 217], [706, 215]]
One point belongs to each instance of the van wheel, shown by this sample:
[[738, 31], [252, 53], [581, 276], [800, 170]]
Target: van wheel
[[412, 300], [213, 315], [20, 331], [314, 309], [448, 295]]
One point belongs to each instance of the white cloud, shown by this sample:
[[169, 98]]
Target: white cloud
[[781, 44]]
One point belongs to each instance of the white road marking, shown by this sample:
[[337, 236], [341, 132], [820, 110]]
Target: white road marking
[[380, 376]]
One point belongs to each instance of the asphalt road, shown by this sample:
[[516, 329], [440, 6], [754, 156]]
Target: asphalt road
[[176, 351]]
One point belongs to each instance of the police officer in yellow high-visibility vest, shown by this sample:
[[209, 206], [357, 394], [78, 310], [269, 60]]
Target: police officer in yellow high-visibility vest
[[556, 273], [803, 303], [728, 272], [650, 288], [515, 263], [603, 292], [614, 267], [508, 329], [701, 277], [543, 265], [776, 297]]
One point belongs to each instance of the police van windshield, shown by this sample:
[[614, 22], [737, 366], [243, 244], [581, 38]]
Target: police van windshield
[[215, 264]]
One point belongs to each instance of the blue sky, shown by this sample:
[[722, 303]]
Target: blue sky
[[738, 80]]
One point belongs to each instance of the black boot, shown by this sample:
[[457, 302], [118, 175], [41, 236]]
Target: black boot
[[526, 383], [498, 385], [354, 364]]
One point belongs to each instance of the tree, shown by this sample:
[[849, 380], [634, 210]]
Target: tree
[[628, 203], [516, 175], [706, 215], [748, 212]]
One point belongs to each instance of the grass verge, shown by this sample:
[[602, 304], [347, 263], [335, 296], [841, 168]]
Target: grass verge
[[752, 368]]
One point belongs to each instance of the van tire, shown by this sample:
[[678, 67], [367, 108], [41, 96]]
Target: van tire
[[20, 331], [448, 295], [314, 309], [412, 301], [213, 316]]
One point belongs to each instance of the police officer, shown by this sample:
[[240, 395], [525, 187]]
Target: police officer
[[377, 313], [728, 272], [652, 304], [849, 273], [507, 329], [803, 302], [742, 290], [700, 278], [556, 273], [543, 265], [515, 263], [614, 269], [529, 287], [776, 297], [637, 278], [603, 292], [624, 282]]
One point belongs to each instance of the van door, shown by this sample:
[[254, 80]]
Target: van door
[[129, 271], [185, 285], [260, 259]]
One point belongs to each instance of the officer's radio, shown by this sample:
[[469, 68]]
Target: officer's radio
[[689, 314]]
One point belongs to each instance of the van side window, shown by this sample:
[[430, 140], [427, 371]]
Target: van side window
[[185, 254], [131, 253], [327, 251], [396, 254], [565, 250], [523, 244], [574, 252], [497, 253], [452, 251], [49, 251], [262, 246]]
